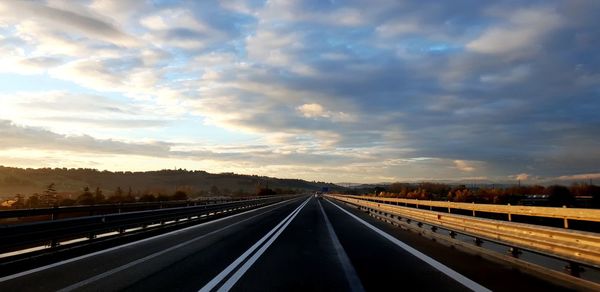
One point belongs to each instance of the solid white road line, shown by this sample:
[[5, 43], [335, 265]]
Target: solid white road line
[[435, 264], [241, 271], [154, 255], [25, 273], [221, 276], [349, 271]]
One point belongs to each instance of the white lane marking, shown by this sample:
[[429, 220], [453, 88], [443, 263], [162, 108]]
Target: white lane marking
[[241, 271], [223, 274], [349, 271], [25, 273], [151, 256], [435, 264]]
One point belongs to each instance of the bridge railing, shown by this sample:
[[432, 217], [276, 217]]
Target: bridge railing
[[54, 213], [52, 233], [570, 245], [566, 214]]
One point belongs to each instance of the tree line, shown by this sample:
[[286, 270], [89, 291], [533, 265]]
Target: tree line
[[554, 195], [50, 197]]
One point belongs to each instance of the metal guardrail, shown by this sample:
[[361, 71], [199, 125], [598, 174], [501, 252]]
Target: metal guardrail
[[19, 236], [572, 246], [54, 213], [548, 212]]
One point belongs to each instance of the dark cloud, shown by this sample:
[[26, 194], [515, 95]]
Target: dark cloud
[[67, 19], [512, 108], [500, 88]]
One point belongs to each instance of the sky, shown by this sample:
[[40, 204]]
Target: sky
[[339, 91]]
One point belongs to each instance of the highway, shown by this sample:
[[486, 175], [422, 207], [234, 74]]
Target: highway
[[303, 244]]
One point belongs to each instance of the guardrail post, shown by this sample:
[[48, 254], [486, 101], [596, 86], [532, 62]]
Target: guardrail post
[[449, 210], [514, 252], [509, 214], [53, 243], [566, 221], [473, 206], [54, 213]]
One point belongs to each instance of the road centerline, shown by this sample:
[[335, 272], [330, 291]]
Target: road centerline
[[260, 246], [75, 259], [154, 255]]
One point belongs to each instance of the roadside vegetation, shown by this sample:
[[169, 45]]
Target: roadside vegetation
[[49, 187], [575, 195]]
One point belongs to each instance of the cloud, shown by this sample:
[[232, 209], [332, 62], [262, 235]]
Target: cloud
[[585, 176], [516, 74], [521, 30], [50, 147], [499, 88], [463, 166], [90, 73], [62, 19], [72, 113], [14, 136], [121, 10], [179, 28], [275, 48], [398, 27], [312, 110], [298, 11], [315, 110], [522, 176]]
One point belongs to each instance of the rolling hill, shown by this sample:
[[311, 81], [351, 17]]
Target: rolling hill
[[196, 183]]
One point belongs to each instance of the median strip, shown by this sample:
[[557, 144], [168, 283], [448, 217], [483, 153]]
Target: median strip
[[53, 265], [260, 246]]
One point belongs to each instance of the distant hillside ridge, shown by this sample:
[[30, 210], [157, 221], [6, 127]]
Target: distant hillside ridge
[[194, 182]]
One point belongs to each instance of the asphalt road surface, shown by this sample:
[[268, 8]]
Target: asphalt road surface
[[305, 244]]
